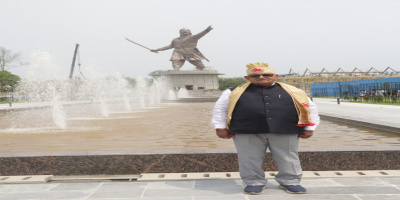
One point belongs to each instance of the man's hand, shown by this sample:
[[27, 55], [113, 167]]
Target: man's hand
[[209, 28], [223, 133], [153, 50], [306, 134]]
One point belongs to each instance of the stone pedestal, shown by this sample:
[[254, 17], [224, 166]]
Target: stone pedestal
[[206, 79]]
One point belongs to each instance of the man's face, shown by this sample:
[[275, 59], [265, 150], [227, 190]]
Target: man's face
[[263, 79]]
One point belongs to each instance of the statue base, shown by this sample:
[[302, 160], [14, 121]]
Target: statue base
[[206, 79]]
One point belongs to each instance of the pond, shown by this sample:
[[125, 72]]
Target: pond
[[165, 126]]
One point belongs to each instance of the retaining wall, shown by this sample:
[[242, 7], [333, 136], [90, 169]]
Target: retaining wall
[[186, 161]]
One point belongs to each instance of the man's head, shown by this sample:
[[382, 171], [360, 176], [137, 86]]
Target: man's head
[[261, 74], [185, 32]]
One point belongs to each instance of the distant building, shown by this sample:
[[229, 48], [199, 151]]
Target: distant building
[[304, 81], [359, 88], [190, 79]]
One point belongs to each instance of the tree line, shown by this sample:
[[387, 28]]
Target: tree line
[[8, 60], [225, 83]]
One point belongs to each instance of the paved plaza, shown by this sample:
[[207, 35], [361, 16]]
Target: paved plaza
[[370, 115], [378, 188]]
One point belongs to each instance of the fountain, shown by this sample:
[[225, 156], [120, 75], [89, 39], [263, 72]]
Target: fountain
[[183, 93], [96, 96]]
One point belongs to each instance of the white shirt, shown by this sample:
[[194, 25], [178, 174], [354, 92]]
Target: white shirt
[[220, 112]]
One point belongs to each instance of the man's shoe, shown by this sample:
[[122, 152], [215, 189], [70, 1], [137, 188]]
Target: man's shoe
[[294, 189], [254, 189]]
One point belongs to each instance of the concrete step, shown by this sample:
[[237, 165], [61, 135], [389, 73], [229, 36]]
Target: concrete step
[[97, 178], [194, 176], [268, 175], [26, 179]]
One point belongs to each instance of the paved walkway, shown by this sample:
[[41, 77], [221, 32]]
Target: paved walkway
[[370, 115], [323, 188]]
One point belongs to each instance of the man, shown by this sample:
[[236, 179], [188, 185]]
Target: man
[[185, 49], [261, 114]]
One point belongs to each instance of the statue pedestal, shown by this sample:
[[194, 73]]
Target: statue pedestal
[[206, 79]]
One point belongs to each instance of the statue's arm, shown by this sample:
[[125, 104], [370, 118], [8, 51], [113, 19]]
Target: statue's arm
[[203, 33], [163, 48]]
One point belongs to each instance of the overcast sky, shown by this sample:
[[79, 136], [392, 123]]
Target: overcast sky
[[297, 34]]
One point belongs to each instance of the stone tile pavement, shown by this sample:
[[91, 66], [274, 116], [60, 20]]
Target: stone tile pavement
[[383, 117], [379, 188]]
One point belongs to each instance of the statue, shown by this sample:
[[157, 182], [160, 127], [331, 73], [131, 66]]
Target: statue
[[185, 49]]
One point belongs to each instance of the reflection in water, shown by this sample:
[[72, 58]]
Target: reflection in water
[[161, 127]]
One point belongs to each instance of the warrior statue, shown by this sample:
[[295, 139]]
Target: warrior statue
[[185, 49]]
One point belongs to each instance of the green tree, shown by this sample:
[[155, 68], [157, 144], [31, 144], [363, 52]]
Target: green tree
[[225, 83], [8, 59], [8, 80]]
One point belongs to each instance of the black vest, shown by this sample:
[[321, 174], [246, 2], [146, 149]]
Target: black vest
[[265, 110]]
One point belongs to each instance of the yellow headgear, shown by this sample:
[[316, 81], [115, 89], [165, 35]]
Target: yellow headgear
[[259, 67]]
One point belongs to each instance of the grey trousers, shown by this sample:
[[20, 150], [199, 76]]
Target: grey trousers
[[251, 149]]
